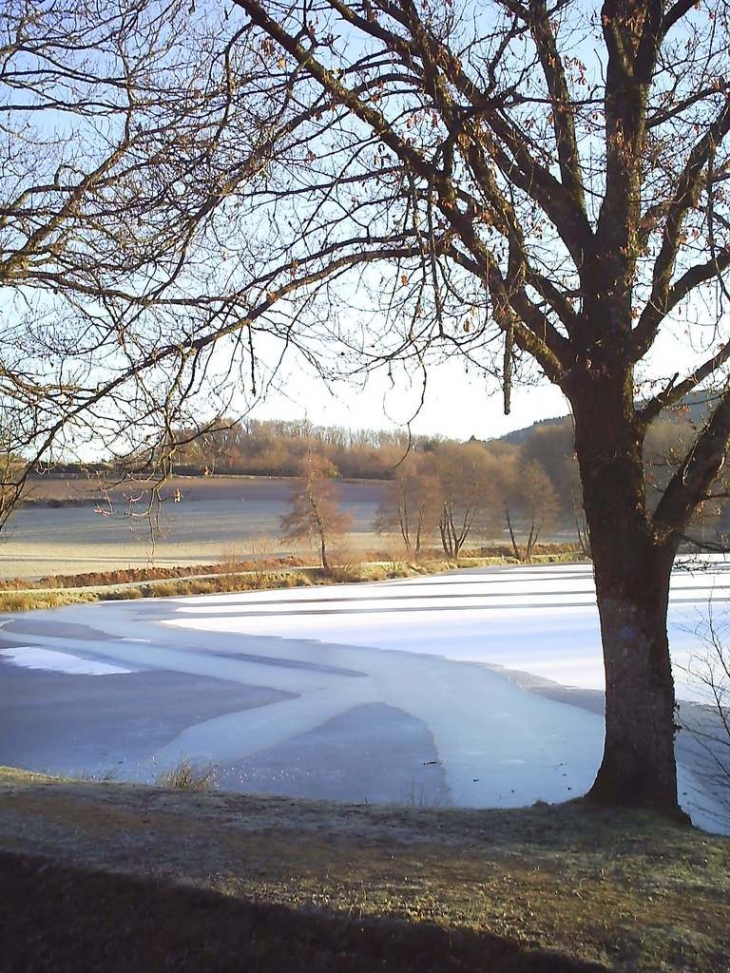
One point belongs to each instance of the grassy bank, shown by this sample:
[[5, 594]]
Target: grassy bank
[[173, 582], [116, 877]]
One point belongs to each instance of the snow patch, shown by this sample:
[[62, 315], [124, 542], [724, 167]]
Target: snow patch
[[31, 657]]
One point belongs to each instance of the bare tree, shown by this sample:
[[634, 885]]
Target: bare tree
[[411, 503], [466, 475], [709, 724], [553, 175], [552, 446], [534, 497], [316, 513]]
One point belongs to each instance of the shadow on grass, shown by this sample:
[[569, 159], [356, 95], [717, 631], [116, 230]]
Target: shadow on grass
[[62, 918]]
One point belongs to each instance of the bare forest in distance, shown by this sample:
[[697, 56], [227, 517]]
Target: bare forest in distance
[[251, 447]]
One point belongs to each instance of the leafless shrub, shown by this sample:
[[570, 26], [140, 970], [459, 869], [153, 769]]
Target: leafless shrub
[[188, 776]]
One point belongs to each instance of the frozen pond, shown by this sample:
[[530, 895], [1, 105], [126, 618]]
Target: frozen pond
[[385, 692]]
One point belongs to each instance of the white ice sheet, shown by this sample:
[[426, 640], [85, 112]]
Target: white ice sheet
[[31, 657]]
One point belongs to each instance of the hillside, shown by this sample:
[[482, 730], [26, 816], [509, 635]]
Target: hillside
[[110, 877], [520, 436], [693, 409]]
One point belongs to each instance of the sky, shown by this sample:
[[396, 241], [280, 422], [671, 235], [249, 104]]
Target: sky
[[460, 404], [457, 405]]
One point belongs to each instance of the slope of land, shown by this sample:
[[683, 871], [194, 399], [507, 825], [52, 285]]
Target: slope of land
[[115, 877]]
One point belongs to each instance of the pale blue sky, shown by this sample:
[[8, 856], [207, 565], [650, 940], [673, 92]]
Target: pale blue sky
[[459, 405], [456, 405]]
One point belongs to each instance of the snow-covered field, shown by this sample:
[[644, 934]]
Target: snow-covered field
[[378, 692]]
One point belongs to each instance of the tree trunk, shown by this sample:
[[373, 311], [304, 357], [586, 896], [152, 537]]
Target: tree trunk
[[531, 539], [510, 528], [419, 532], [581, 528], [323, 552], [448, 534], [638, 767], [403, 523], [632, 571]]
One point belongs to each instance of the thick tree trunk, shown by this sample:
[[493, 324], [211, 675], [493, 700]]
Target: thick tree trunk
[[638, 767], [632, 571]]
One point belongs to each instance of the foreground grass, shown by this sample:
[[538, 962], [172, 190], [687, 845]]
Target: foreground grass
[[106, 876], [188, 776], [58, 590]]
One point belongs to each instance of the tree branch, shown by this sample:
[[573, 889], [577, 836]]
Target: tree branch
[[677, 13], [692, 480], [673, 393], [685, 196], [563, 122]]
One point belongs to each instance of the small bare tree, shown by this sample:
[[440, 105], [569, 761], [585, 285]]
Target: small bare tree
[[535, 498], [467, 478], [411, 504], [316, 513]]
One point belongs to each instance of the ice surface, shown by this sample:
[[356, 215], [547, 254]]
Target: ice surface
[[417, 649], [31, 657], [541, 620]]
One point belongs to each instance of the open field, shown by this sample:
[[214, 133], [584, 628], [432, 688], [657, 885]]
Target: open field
[[75, 526], [219, 518]]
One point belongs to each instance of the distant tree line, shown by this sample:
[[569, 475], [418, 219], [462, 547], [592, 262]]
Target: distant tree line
[[253, 447], [459, 489], [528, 483]]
